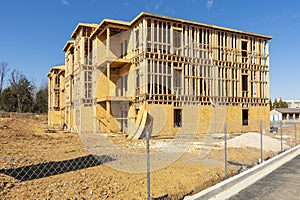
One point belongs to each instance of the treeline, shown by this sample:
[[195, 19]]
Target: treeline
[[278, 104], [20, 94]]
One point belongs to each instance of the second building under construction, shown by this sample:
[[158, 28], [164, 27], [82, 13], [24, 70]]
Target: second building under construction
[[161, 74]]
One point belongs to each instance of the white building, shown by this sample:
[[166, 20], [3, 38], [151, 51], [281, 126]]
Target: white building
[[275, 116], [293, 103], [279, 114]]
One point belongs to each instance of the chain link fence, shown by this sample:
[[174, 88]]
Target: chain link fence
[[36, 163], [4, 115]]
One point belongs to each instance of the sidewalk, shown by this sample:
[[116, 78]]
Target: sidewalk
[[283, 183]]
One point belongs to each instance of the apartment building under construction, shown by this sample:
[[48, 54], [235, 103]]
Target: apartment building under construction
[[161, 74], [56, 97]]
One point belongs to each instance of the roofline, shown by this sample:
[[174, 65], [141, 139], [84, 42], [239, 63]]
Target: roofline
[[59, 67], [288, 110], [68, 43], [110, 21], [290, 100], [145, 14], [81, 25]]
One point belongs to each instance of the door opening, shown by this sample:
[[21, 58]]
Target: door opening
[[177, 117], [245, 119]]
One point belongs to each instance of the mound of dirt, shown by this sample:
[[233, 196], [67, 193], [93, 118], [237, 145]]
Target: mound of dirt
[[253, 140]]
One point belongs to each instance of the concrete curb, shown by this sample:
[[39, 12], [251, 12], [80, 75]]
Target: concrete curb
[[233, 185]]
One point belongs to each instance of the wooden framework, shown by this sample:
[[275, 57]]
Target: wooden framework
[[202, 65], [56, 95], [174, 62]]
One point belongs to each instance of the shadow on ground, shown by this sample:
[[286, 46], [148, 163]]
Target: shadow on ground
[[42, 170]]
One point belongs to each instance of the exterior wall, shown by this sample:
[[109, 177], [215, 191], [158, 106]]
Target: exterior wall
[[275, 116], [257, 113], [162, 116], [86, 119], [55, 118], [106, 122], [70, 116], [101, 119], [205, 119], [210, 119]]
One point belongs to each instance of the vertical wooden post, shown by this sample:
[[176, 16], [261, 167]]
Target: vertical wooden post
[[267, 73], [108, 77]]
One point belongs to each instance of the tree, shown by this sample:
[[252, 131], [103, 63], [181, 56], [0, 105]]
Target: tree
[[275, 104], [8, 101], [278, 104], [3, 71], [41, 100], [282, 104], [22, 90], [271, 105]]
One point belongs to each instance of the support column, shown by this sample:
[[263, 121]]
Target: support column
[[108, 78], [107, 42], [171, 39], [144, 38], [108, 115], [258, 82], [267, 73], [107, 95]]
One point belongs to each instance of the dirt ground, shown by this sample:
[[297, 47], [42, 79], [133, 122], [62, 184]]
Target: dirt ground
[[35, 164]]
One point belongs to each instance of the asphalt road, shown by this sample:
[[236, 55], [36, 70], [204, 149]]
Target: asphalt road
[[283, 183]]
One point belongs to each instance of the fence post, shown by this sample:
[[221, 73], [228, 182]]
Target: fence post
[[295, 134], [148, 165], [225, 149], [281, 146], [261, 142]]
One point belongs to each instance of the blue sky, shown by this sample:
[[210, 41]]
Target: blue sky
[[33, 32]]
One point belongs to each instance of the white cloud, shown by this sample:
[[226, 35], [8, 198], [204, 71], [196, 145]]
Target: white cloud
[[209, 3], [156, 7], [65, 2]]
